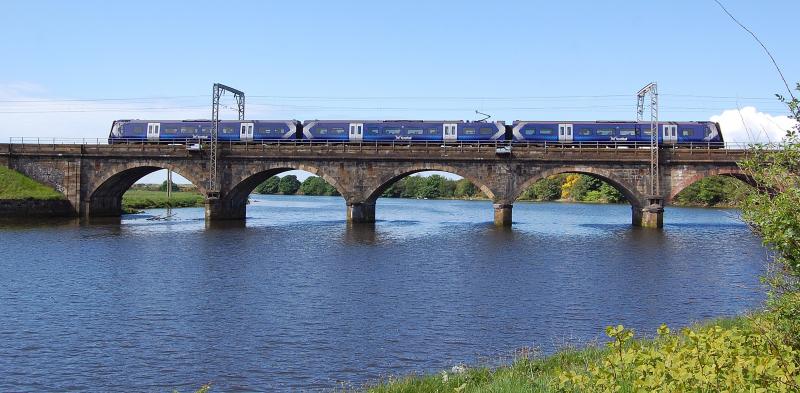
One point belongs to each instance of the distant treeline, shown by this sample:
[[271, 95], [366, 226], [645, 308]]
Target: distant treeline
[[712, 191], [289, 185]]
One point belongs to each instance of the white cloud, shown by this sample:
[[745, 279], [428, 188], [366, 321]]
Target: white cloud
[[748, 125]]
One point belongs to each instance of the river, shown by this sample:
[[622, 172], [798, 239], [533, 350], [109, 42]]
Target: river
[[295, 299]]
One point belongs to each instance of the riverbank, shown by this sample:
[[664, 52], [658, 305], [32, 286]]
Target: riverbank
[[730, 354], [137, 199], [16, 186]]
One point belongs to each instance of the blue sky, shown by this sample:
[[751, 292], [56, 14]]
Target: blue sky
[[396, 60]]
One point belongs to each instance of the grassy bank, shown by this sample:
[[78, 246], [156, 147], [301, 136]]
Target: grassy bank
[[733, 354], [136, 199], [14, 185]]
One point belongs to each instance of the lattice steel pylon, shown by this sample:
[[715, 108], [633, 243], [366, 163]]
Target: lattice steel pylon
[[652, 90], [216, 93]]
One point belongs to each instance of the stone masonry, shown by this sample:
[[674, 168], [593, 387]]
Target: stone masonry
[[94, 177]]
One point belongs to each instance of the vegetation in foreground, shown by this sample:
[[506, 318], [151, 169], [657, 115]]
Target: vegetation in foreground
[[14, 185], [726, 355], [756, 353]]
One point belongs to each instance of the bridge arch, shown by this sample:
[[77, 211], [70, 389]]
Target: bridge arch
[[361, 208], [386, 180], [632, 195], [104, 196], [687, 181], [233, 203]]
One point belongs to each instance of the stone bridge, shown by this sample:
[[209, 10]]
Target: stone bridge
[[94, 177]]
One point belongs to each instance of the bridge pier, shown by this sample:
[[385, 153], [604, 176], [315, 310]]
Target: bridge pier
[[361, 212], [103, 206], [650, 216], [502, 214], [225, 209]]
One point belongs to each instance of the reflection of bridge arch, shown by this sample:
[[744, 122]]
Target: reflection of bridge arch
[[685, 182], [630, 192], [234, 202], [110, 183]]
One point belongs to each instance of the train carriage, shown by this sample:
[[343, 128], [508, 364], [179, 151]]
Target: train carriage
[[182, 131], [403, 130], [615, 132]]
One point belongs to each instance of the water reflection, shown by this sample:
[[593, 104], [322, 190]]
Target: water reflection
[[294, 298]]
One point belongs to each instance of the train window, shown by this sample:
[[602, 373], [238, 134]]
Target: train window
[[170, 131], [266, 131], [392, 131], [337, 130], [707, 132], [687, 132], [226, 130], [138, 129], [323, 131], [206, 131], [605, 132], [546, 131], [433, 131], [530, 131], [469, 131], [414, 132], [627, 132], [647, 132], [585, 131], [373, 130], [486, 131]]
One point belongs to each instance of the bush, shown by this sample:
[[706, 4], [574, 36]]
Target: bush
[[711, 359]]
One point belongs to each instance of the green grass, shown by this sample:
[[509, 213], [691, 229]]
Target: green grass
[[144, 199], [14, 185], [525, 374]]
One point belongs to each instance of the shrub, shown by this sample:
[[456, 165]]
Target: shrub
[[711, 359]]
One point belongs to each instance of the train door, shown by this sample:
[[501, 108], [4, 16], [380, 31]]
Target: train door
[[356, 131], [565, 133], [670, 133], [246, 132], [450, 133], [153, 131]]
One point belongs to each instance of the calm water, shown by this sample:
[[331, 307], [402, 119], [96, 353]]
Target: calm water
[[297, 300]]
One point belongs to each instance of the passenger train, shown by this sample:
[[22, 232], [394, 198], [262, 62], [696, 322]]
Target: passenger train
[[181, 131]]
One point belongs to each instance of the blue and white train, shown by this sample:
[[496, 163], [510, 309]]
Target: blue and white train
[[386, 131], [615, 131], [403, 130], [185, 130]]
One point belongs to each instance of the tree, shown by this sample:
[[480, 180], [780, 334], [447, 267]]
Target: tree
[[583, 186], [773, 209], [315, 185], [269, 186], [547, 189], [163, 187], [289, 185], [464, 189]]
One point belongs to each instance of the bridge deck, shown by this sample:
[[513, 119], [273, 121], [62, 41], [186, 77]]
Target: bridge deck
[[404, 151]]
